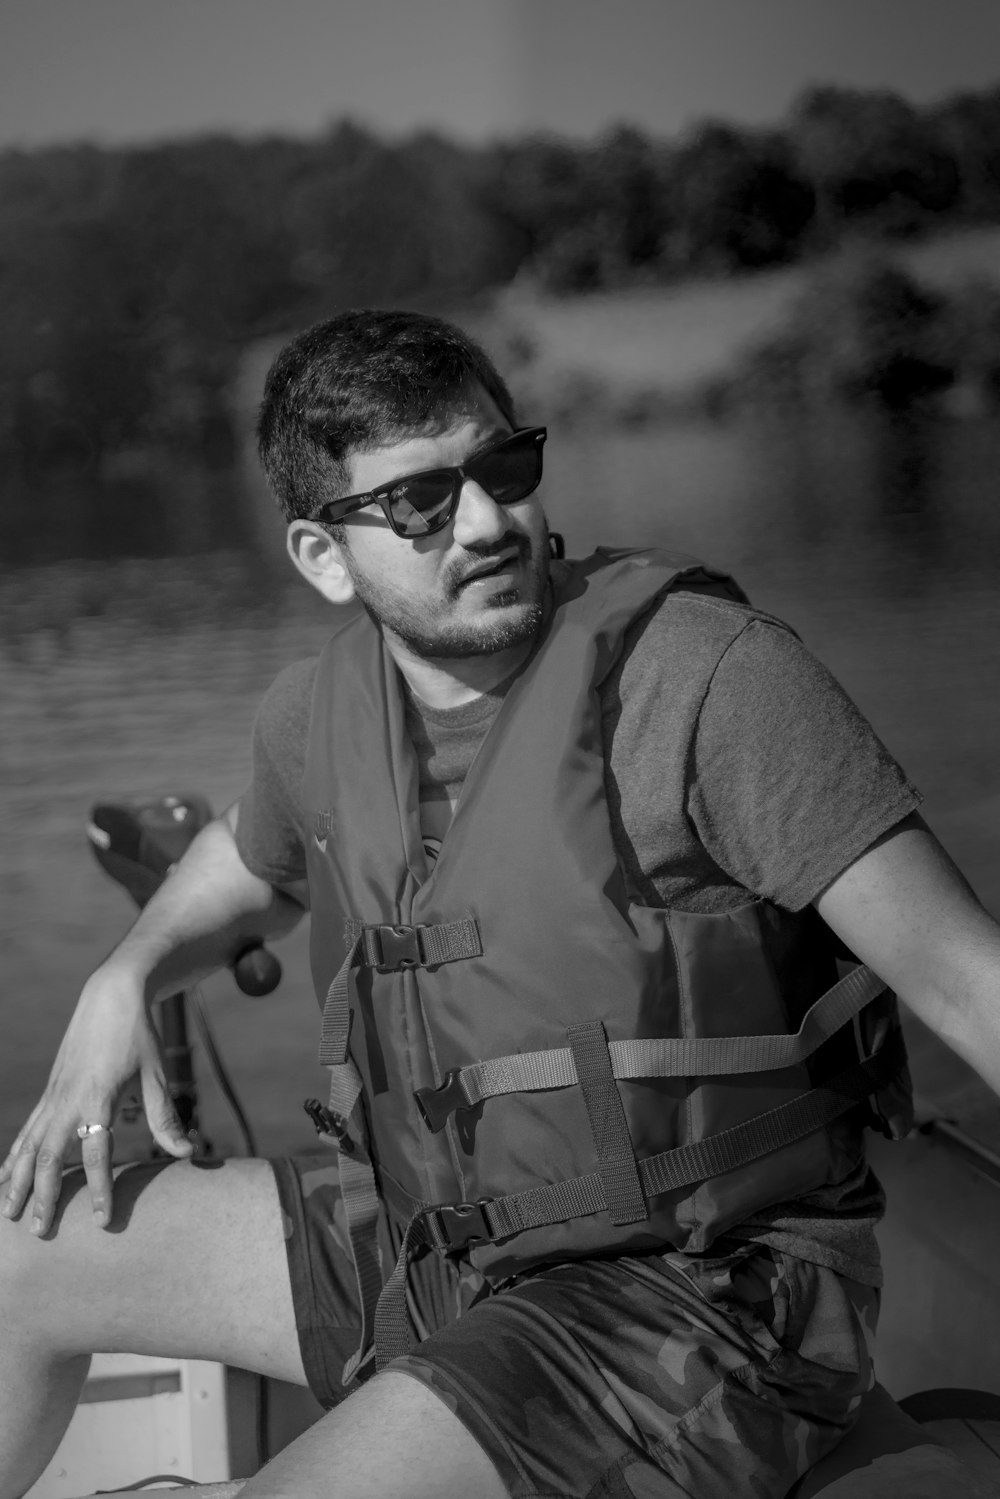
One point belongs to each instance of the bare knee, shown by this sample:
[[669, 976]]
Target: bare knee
[[192, 1265]]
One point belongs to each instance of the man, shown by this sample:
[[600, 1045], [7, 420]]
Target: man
[[564, 830]]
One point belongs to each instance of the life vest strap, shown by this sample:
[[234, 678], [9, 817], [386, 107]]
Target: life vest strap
[[380, 946], [608, 1124], [652, 1057], [716, 1154], [336, 1029], [389, 948], [392, 1324], [342, 1125], [451, 1227], [359, 1193]]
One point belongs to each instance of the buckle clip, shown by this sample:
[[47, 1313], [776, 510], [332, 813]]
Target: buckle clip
[[437, 1104], [398, 947], [455, 1224], [329, 1126]]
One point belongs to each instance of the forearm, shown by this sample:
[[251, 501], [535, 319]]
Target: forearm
[[960, 1002], [208, 909], [908, 913]]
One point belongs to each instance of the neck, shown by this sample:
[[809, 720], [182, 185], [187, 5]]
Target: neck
[[443, 682]]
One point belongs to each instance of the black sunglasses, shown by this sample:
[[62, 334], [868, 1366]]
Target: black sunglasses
[[420, 504]]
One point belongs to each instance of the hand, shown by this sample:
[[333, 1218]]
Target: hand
[[108, 1041]]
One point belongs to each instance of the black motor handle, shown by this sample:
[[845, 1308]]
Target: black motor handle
[[138, 842]]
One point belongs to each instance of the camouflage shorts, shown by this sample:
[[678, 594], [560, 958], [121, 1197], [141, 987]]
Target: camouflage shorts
[[644, 1375]]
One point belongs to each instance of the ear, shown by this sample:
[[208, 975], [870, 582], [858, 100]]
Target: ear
[[320, 560]]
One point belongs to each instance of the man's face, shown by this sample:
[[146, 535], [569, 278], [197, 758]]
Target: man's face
[[472, 588]]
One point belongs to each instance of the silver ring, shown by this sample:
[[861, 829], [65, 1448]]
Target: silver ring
[[84, 1131]]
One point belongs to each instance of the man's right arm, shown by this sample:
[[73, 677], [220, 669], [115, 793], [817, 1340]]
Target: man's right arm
[[207, 910]]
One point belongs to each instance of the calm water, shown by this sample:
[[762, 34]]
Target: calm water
[[878, 542]]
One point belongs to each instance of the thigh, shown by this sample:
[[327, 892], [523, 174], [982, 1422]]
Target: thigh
[[656, 1375], [392, 1437], [192, 1265]]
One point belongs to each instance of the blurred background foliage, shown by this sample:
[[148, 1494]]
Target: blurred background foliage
[[132, 280]]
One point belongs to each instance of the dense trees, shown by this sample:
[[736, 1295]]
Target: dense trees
[[130, 279], [870, 159]]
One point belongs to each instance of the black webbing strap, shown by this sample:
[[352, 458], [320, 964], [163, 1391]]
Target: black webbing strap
[[650, 1057], [392, 1323], [359, 1194], [687, 1164], [342, 1125], [608, 1124], [559, 1202], [768, 1132], [336, 1027], [388, 948]]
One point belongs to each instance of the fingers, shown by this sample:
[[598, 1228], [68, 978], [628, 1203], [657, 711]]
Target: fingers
[[6, 1169], [20, 1175], [95, 1150], [35, 1163], [161, 1116], [18, 1170], [33, 1168], [38, 1172]]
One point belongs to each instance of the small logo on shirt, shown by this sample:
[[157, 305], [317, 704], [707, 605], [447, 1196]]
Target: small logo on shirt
[[323, 826]]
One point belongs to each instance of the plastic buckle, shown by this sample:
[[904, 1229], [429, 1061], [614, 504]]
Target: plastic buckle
[[329, 1125], [399, 947], [455, 1224], [437, 1104]]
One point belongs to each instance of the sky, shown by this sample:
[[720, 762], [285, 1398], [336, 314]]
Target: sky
[[120, 71]]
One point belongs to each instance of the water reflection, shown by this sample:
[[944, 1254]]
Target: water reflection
[[146, 512]]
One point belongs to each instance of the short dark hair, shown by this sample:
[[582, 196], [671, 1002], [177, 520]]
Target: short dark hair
[[355, 382]]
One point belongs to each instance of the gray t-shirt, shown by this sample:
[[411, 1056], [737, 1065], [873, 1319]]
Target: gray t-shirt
[[776, 786]]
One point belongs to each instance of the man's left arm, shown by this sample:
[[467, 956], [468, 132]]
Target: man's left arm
[[906, 910]]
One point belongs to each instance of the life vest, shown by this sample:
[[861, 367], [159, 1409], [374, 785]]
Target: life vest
[[529, 1064]]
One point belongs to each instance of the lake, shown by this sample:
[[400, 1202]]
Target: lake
[[133, 675]]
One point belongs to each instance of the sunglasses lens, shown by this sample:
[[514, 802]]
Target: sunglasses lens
[[511, 471], [420, 504], [508, 473]]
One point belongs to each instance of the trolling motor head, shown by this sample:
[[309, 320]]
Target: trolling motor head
[[138, 842]]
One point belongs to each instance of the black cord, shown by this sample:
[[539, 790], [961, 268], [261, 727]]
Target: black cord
[[174, 1478], [263, 1423], [219, 1072]]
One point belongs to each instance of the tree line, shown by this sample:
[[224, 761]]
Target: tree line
[[130, 279]]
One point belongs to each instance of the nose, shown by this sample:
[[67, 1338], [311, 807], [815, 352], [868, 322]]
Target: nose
[[478, 518]]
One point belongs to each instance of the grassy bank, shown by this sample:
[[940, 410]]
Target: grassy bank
[[660, 348]]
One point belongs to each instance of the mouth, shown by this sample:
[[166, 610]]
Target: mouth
[[503, 567]]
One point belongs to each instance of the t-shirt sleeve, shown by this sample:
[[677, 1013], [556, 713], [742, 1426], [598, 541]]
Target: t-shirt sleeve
[[789, 783], [270, 826]]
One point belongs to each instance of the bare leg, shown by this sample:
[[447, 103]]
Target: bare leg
[[193, 1265], [394, 1439]]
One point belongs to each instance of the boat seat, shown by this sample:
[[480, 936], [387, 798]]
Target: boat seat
[[889, 1453], [951, 1451]]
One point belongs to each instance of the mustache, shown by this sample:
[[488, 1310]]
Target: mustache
[[513, 541]]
